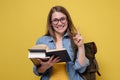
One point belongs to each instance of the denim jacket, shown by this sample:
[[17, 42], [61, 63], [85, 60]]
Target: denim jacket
[[72, 67]]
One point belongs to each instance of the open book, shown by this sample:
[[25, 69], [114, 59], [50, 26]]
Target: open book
[[41, 51]]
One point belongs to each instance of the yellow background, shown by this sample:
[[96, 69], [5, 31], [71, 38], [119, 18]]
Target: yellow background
[[22, 22]]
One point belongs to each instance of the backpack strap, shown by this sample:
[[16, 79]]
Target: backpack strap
[[95, 61], [96, 67], [84, 78]]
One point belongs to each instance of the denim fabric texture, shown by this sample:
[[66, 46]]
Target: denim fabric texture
[[72, 67]]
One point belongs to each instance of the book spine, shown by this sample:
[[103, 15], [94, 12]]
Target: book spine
[[37, 51]]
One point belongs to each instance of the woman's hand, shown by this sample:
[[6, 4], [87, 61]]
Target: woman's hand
[[46, 65], [78, 39]]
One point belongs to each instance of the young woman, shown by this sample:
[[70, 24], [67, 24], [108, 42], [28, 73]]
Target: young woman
[[61, 33]]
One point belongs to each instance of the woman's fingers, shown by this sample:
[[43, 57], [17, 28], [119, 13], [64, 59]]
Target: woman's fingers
[[50, 62], [78, 39], [78, 31], [57, 59]]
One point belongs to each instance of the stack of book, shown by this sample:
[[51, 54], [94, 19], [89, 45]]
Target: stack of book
[[42, 52]]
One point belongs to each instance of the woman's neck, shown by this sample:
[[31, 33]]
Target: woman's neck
[[59, 37], [59, 41]]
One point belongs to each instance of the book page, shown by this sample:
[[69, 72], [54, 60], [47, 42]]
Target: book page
[[36, 55], [52, 50], [40, 46]]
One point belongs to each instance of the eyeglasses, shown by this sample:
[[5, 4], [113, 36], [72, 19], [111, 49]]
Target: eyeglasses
[[56, 21]]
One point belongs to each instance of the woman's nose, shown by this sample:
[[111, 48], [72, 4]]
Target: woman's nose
[[59, 22]]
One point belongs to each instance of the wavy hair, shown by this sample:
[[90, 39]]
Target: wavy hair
[[71, 30]]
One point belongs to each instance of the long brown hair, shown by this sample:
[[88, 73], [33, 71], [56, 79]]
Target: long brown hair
[[71, 30]]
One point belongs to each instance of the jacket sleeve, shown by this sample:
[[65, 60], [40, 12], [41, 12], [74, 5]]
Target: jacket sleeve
[[80, 68], [35, 71], [39, 41]]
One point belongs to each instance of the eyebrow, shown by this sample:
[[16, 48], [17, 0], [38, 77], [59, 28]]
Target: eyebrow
[[59, 18]]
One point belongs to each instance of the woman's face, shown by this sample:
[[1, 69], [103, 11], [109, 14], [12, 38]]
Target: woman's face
[[59, 23]]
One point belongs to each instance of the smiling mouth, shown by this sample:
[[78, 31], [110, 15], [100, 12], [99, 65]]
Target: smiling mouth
[[60, 27]]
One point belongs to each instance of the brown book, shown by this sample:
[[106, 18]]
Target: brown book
[[41, 51]]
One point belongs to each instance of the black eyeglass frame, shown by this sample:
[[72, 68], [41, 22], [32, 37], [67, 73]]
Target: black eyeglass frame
[[56, 21]]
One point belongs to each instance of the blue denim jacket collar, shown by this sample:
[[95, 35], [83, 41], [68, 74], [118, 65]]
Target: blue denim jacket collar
[[51, 38]]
